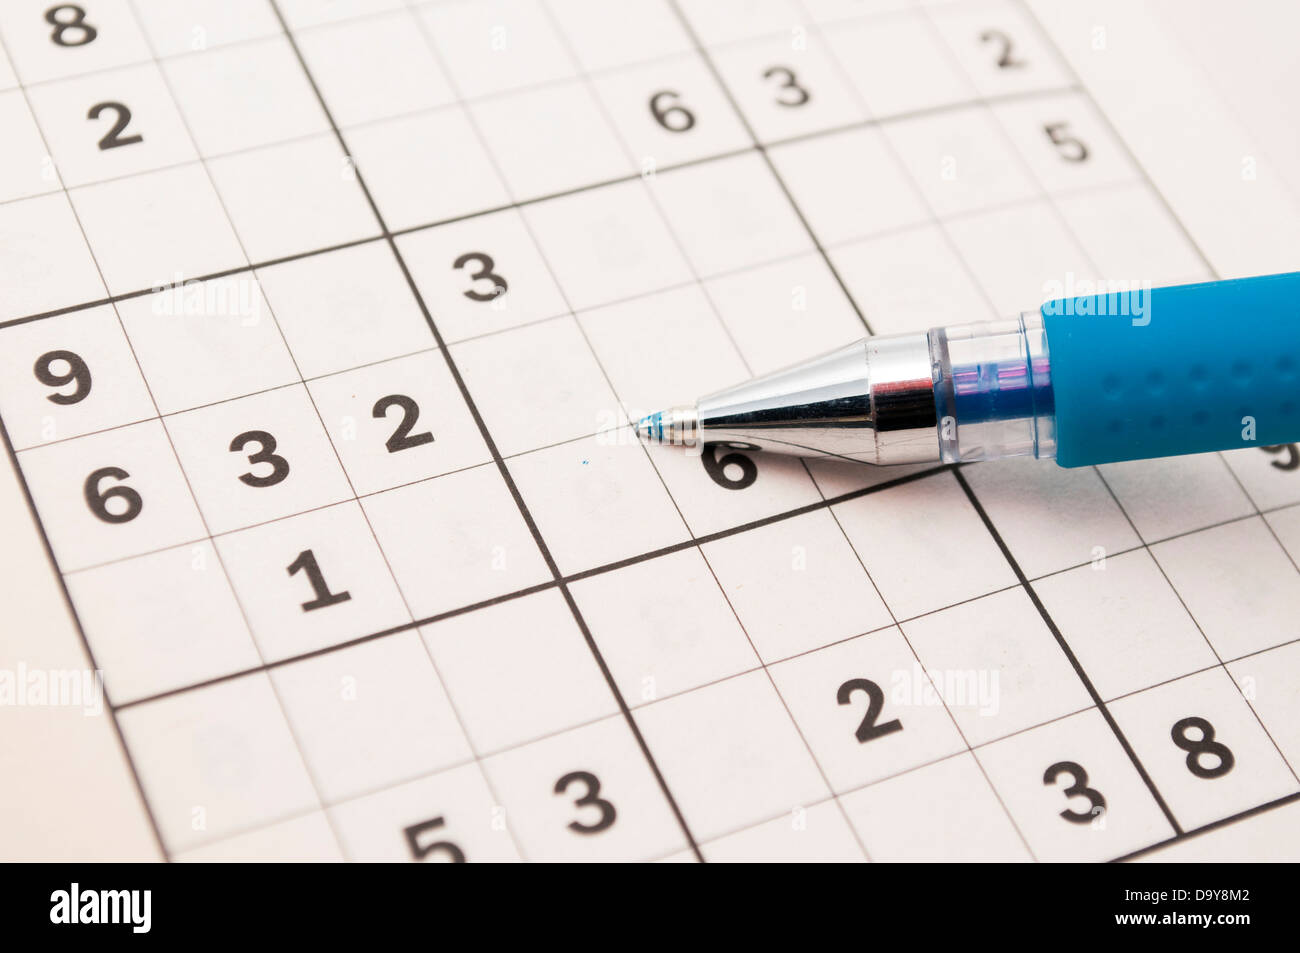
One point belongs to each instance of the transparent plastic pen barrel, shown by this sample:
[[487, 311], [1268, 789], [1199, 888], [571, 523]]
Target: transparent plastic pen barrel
[[993, 390]]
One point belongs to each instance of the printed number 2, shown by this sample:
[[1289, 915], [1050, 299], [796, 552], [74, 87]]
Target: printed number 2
[[114, 139], [868, 730]]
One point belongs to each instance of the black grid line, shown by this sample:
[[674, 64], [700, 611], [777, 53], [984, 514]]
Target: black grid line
[[503, 469], [560, 580], [521, 203]]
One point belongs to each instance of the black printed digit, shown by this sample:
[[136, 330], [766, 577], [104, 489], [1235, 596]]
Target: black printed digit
[[265, 454], [1006, 60], [1292, 451], [590, 798], [670, 113], [97, 497], [716, 466], [402, 438], [868, 730], [499, 285], [1070, 147], [422, 849], [115, 139], [1079, 788], [77, 373], [70, 28], [306, 563], [791, 93], [1205, 746]]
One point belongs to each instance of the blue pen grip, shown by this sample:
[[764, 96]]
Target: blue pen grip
[[1187, 369]]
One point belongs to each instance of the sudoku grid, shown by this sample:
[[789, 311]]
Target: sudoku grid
[[323, 323]]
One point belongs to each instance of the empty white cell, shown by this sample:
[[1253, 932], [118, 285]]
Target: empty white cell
[[550, 140], [1023, 255], [725, 485], [750, 764], [304, 839], [997, 666], [528, 650], [495, 46], [43, 250], [162, 622], [624, 814], [398, 422], [725, 21], [311, 581], [455, 541], [258, 458], [961, 161], [294, 198], [202, 342], [443, 818], [1150, 247], [999, 48], [1238, 583], [607, 244], [1175, 495], [596, 501], [941, 812], [1286, 524], [156, 229], [670, 111], [1111, 812], [796, 585], [1269, 682], [68, 375], [426, 168], [924, 545], [729, 214], [1125, 624], [557, 389], [244, 96], [111, 494], [867, 709], [80, 39], [1065, 142], [910, 281], [1203, 747], [26, 166], [818, 834], [345, 308], [374, 68], [606, 36], [111, 124], [849, 185], [217, 761], [784, 312], [370, 715], [789, 85], [304, 14], [898, 65], [174, 29], [1023, 496], [663, 626], [482, 275], [644, 381]]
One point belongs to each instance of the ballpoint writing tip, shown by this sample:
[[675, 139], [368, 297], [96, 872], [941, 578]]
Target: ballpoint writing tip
[[677, 426]]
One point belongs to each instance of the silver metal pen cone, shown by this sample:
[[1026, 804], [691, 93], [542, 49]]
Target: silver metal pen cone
[[869, 402], [677, 426]]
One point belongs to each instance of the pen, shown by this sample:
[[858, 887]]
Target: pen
[[1094, 379]]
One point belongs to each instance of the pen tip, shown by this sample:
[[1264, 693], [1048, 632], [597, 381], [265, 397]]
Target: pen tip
[[676, 426]]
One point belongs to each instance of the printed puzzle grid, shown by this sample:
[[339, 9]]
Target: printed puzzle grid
[[364, 590]]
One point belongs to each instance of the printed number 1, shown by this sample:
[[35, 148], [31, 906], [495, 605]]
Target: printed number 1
[[306, 562]]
